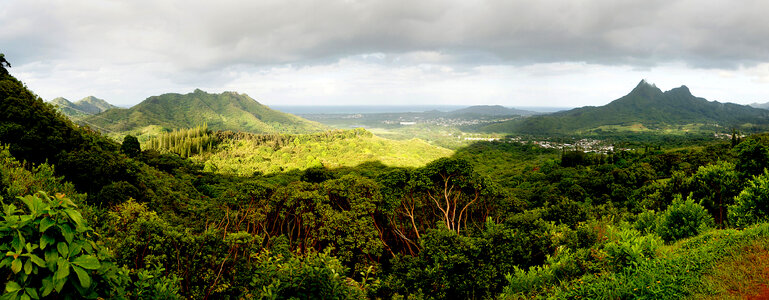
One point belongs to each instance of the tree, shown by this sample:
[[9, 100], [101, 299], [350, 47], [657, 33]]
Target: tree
[[683, 219], [130, 146], [454, 187], [716, 185], [3, 71], [752, 157]]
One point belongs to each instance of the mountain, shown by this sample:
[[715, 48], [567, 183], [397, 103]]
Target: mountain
[[225, 111], [87, 106], [760, 105], [491, 110], [646, 106]]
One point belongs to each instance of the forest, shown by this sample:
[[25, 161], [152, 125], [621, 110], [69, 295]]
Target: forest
[[85, 216]]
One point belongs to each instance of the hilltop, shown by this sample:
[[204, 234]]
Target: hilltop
[[645, 107], [225, 111], [84, 107]]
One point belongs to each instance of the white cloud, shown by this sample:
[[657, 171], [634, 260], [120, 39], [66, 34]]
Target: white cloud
[[558, 52]]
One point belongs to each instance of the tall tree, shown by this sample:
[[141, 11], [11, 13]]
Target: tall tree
[[130, 146]]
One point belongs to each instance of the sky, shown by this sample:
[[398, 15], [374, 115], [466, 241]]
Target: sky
[[563, 53]]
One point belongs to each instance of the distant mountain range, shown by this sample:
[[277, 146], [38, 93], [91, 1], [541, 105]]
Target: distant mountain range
[[760, 105], [87, 106], [491, 110], [645, 106], [225, 111]]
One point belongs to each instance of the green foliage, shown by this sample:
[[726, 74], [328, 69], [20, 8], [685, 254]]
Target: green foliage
[[153, 284], [116, 193], [674, 274], [130, 146], [314, 275], [18, 179], [51, 251], [247, 154], [631, 248], [752, 156], [455, 266], [33, 129], [716, 185], [646, 222], [752, 204], [683, 219]]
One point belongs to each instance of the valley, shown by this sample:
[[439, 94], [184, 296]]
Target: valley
[[206, 196]]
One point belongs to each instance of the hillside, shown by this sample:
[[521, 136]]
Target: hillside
[[491, 110], [84, 107], [646, 107], [246, 154], [225, 111]]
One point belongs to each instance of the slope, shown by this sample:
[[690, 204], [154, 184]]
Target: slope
[[646, 106], [225, 111], [245, 154]]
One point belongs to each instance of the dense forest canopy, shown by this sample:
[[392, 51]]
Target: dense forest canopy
[[86, 217]]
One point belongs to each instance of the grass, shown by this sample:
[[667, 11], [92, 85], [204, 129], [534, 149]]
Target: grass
[[739, 276], [715, 265]]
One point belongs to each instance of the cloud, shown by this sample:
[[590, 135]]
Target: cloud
[[211, 34], [352, 51]]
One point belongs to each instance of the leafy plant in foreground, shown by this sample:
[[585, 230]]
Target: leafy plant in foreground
[[50, 250]]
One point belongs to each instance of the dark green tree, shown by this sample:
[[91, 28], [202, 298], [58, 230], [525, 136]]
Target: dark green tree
[[3, 71], [752, 157], [130, 146], [716, 185]]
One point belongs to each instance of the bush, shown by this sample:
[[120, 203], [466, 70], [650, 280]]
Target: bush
[[51, 252], [631, 248], [646, 222], [683, 219], [311, 276], [752, 204], [116, 193]]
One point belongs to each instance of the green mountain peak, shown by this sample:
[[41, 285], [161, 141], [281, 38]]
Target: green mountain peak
[[225, 111], [647, 106]]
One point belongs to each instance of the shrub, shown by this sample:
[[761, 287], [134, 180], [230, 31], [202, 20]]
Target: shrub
[[683, 219], [51, 252], [646, 222], [631, 248], [752, 204], [311, 276]]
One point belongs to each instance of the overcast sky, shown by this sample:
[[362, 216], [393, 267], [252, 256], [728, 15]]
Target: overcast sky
[[286, 52]]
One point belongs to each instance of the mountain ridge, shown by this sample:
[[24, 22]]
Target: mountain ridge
[[87, 106], [646, 105], [224, 111]]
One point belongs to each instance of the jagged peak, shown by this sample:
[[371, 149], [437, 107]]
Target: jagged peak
[[646, 89]]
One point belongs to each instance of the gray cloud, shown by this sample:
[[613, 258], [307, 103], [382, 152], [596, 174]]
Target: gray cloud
[[198, 35]]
